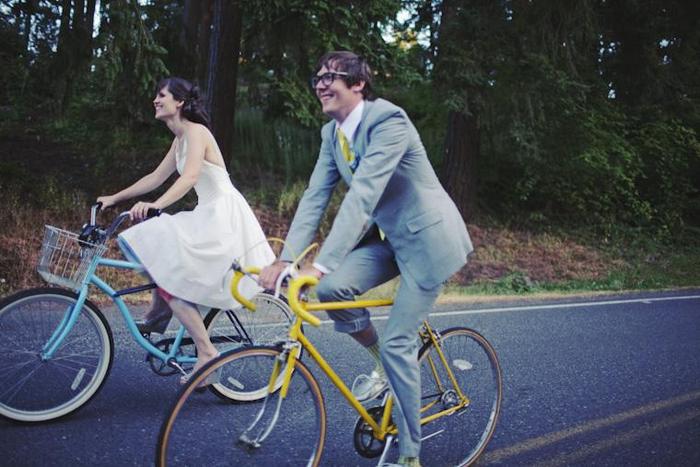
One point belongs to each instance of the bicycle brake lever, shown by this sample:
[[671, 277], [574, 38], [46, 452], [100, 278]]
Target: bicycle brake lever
[[93, 212], [304, 294], [288, 272]]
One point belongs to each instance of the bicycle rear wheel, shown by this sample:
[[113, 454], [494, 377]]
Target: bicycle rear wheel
[[36, 389], [461, 437], [231, 329], [267, 325], [206, 431]]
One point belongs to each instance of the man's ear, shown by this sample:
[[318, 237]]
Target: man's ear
[[358, 87]]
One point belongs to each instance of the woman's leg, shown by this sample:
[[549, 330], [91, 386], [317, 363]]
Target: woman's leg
[[158, 316], [189, 316]]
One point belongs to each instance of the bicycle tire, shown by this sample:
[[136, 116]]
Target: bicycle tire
[[37, 390], [203, 431], [477, 371], [230, 329]]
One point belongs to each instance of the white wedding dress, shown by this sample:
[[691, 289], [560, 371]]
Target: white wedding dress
[[189, 254]]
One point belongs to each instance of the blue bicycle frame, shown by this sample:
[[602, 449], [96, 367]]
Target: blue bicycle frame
[[73, 312]]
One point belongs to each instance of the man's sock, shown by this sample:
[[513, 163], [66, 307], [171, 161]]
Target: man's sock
[[374, 352], [409, 461]]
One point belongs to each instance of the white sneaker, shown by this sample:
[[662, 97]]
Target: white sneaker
[[369, 387]]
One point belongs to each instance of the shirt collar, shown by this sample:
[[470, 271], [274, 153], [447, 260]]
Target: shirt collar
[[352, 121]]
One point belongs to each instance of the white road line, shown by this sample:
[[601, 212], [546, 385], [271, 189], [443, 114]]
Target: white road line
[[545, 307]]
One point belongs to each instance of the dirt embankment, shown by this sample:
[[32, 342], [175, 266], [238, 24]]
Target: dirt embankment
[[28, 162]]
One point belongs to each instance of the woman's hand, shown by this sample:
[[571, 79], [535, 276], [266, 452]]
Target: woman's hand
[[107, 201], [140, 210]]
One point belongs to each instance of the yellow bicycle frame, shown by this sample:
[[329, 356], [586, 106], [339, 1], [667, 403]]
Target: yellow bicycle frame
[[302, 311]]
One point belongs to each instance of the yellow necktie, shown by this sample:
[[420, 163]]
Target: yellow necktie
[[349, 156], [345, 147]]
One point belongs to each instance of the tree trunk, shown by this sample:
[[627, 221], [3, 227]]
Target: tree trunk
[[195, 36], [461, 149], [29, 10], [461, 155], [222, 73]]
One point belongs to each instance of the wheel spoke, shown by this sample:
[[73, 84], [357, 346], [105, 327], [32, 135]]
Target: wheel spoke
[[268, 425], [476, 372], [35, 389]]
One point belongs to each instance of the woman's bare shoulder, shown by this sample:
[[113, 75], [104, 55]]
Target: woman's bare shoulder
[[197, 130]]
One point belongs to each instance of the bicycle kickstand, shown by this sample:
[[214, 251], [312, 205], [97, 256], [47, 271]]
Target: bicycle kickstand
[[387, 446]]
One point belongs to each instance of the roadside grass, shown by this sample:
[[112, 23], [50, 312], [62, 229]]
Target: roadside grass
[[577, 262]]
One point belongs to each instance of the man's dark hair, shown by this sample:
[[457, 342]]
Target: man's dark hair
[[355, 66]]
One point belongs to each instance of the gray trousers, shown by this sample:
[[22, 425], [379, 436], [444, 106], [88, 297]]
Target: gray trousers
[[370, 264]]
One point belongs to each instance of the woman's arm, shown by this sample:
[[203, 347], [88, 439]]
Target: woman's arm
[[145, 184], [196, 138]]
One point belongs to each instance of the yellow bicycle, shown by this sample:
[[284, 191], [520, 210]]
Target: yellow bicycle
[[461, 400]]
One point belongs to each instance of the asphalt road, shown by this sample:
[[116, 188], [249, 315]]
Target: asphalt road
[[601, 381]]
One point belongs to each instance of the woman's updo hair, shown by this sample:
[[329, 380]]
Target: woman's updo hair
[[184, 91]]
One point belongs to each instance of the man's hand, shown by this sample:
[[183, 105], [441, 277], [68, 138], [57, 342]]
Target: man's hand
[[311, 271], [269, 274]]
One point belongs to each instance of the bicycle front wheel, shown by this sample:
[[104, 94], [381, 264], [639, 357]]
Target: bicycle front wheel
[[33, 387], [206, 431], [459, 438], [231, 329]]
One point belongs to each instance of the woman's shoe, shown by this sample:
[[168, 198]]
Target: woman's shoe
[[157, 318], [156, 325]]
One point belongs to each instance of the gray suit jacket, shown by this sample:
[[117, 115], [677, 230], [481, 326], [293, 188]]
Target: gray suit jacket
[[393, 186]]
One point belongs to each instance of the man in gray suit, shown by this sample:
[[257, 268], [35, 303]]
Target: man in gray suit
[[395, 219]]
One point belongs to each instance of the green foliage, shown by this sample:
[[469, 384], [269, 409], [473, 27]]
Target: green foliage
[[279, 148], [131, 62], [299, 103], [426, 113], [587, 111], [20, 187], [670, 157], [13, 69]]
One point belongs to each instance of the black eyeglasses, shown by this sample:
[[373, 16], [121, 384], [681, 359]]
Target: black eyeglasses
[[326, 78]]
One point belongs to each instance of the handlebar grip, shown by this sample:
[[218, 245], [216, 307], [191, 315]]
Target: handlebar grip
[[153, 212], [295, 287]]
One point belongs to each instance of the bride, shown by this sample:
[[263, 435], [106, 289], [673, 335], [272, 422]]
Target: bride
[[188, 255]]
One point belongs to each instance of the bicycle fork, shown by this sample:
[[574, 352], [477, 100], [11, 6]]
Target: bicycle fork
[[254, 435], [67, 322]]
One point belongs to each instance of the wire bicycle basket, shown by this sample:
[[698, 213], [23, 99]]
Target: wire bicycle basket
[[66, 258]]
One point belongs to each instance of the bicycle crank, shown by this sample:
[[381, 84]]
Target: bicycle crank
[[365, 443]]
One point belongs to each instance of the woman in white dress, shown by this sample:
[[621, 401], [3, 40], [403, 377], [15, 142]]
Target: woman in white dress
[[189, 254]]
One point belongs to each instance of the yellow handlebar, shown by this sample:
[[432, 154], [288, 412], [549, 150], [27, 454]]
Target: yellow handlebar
[[237, 276], [295, 287]]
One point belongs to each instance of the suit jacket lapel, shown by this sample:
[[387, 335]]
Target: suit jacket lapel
[[358, 139]]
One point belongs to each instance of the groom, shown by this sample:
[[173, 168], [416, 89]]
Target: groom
[[396, 219]]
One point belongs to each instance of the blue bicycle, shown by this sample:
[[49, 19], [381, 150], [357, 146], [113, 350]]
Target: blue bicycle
[[56, 347]]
